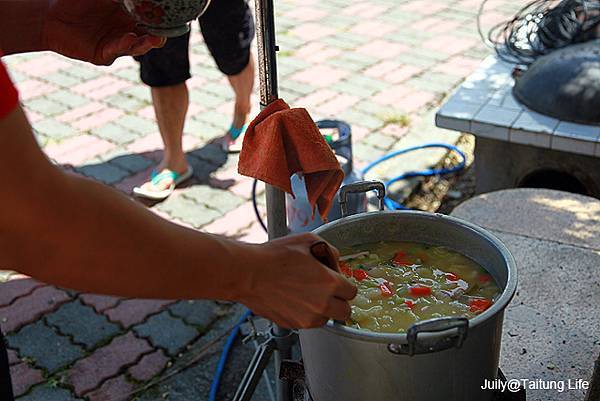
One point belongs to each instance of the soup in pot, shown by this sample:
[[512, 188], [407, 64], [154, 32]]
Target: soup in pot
[[400, 283]]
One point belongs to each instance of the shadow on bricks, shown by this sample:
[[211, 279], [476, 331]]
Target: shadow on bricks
[[122, 166]]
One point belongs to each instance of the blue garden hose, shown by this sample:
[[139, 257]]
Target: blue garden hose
[[214, 386], [392, 204]]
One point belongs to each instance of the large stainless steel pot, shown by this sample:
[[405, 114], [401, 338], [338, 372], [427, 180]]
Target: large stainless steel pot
[[443, 359]]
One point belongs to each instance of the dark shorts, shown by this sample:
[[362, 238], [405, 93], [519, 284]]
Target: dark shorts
[[228, 30]]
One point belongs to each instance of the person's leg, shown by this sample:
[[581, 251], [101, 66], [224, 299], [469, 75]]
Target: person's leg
[[166, 70], [170, 107], [228, 30], [242, 84]]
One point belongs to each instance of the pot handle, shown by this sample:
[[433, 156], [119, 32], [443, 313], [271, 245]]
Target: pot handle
[[359, 187], [414, 346]]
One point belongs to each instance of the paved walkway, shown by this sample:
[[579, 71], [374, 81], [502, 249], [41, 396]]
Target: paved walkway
[[551, 329], [381, 65]]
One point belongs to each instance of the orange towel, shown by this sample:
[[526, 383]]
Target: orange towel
[[280, 142]]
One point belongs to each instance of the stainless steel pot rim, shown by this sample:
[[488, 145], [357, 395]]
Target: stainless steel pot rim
[[401, 338]]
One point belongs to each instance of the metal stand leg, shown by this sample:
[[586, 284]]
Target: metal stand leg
[[281, 340], [259, 363]]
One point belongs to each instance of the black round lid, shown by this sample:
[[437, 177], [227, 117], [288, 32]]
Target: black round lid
[[564, 84]]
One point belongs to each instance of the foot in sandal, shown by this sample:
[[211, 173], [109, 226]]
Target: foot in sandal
[[162, 183]]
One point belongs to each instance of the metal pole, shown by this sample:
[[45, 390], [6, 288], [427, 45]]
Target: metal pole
[[276, 215]]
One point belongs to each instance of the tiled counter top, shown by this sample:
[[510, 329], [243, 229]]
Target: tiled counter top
[[485, 106]]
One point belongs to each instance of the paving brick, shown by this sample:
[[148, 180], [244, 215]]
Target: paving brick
[[222, 201], [42, 65], [206, 99], [80, 112], [50, 350], [137, 124], [371, 28], [83, 71], [129, 74], [136, 180], [255, 234], [458, 65], [61, 79], [354, 116], [140, 92], [339, 104], [391, 95], [174, 339], [379, 140], [46, 392], [24, 377], [415, 101], [449, 44], [29, 308], [382, 49], [316, 98], [68, 98], [198, 313], [320, 75], [99, 302], [149, 366], [305, 14], [46, 106], [17, 287], [189, 211], [417, 7], [13, 356], [83, 324], [106, 362], [133, 311], [202, 168], [311, 31], [395, 131], [115, 133], [93, 87], [317, 52], [146, 143], [132, 163], [54, 129], [112, 390], [78, 149], [106, 173], [33, 88], [232, 222], [210, 153], [98, 118], [126, 102]]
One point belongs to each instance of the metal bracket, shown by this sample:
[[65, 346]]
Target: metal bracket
[[360, 187], [416, 346], [260, 360]]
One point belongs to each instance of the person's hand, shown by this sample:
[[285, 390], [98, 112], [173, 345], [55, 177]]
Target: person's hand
[[97, 31], [293, 289]]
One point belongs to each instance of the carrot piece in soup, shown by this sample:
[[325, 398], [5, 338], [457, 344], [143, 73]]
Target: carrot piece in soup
[[420, 290], [479, 305]]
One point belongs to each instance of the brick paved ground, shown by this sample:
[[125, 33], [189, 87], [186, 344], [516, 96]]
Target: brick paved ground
[[377, 64]]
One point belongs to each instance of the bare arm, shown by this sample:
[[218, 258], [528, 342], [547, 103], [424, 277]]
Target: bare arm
[[76, 233], [21, 25], [97, 31]]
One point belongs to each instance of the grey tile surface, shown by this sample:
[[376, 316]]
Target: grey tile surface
[[485, 106], [535, 122], [538, 139]]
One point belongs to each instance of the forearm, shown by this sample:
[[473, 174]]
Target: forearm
[[76, 233], [22, 25], [97, 240]]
